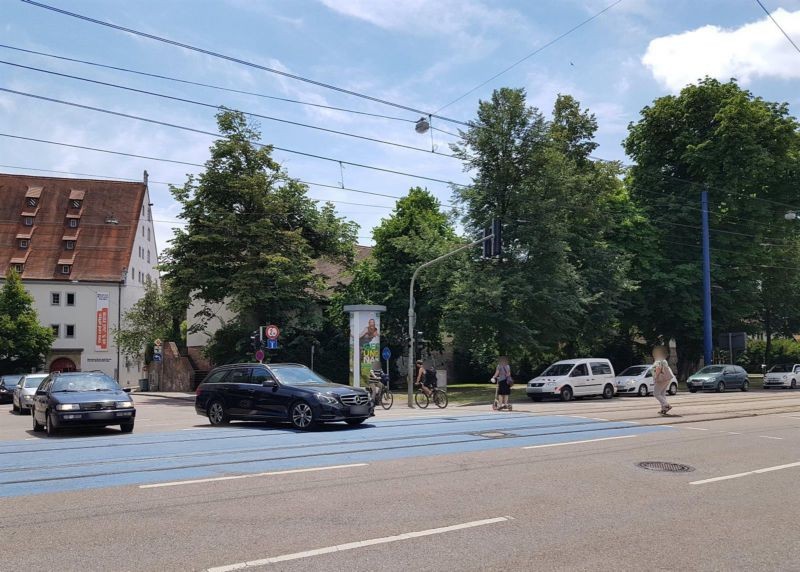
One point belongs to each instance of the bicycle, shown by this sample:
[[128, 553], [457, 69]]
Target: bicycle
[[422, 399], [383, 395]]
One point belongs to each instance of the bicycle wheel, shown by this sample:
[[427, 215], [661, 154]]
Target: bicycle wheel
[[421, 399], [440, 398], [387, 399]]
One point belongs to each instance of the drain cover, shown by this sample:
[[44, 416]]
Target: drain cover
[[665, 466]]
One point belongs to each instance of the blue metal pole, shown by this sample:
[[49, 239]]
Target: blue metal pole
[[707, 330]]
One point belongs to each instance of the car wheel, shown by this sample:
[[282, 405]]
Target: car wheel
[[608, 392], [36, 426], [673, 389], [14, 407], [566, 393], [793, 385], [721, 387], [355, 421], [745, 386], [50, 428], [692, 391], [126, 427], [301, 415], [536, 398], [643, 391], [216, 414]]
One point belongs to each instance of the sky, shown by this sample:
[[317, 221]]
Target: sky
[[422, 54]]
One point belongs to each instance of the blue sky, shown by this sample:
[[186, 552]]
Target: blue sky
[[422, 53]]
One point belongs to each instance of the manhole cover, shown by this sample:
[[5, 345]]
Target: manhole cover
[[665, 466], [493, 434]]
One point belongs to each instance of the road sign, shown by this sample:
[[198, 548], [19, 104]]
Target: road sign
[[157, 343], [272, 344], [272, 332], [157, 350], [156, 357], [386, 354], [260, 355]]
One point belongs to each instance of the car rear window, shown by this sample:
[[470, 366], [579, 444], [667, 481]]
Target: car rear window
[[216, 376], [601, 368]]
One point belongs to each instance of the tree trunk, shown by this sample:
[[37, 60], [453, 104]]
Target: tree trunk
[[767, 337]]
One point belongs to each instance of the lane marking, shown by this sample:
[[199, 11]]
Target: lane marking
[[236, 477], [579, 442], [598, 419], [696, 428], [579, 417], [732, 433], [359, 544], [768, 437], [748, 473]]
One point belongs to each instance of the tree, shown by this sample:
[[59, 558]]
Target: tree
[[152, 317], [744, 151], [251, 239], [24, 342]]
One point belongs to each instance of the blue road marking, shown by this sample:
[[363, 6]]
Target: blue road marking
[[60, 465]]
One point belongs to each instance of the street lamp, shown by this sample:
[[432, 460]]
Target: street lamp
[[422, 125]]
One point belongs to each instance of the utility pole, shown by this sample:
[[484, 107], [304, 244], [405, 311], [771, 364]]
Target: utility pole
[[707, 328]]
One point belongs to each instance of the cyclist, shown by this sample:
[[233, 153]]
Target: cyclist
[[422, 377], [376, 384]]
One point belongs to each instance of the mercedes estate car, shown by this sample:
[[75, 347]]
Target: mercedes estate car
[[283, 392]]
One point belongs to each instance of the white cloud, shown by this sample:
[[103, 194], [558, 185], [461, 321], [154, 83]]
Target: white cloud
[[757, 49]]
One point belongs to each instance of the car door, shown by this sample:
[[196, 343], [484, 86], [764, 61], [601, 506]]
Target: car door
[[580, 380], [742, 375], [240, 392], [731, 377], [601, 375], [649, 380], [39, 403], [269, 401]]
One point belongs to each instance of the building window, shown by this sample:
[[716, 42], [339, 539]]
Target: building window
[[66, 269], [70, 298], [28, 221], [18, 268], [75, 204], [56, 329], [55, 299], [133, 273], [148, 234], [32, 202], [70, 331], [73, 223], [70, 245], [148, 257], [142, 232], [23, 243]]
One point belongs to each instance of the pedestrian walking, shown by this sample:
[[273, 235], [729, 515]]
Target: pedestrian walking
[[502, 377], [662, 378]]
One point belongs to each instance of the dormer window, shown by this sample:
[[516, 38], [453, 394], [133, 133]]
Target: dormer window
[[73, 223], [66, 269], [70, 244], [32, 202], [19, 268], [75, 204], [24, 243], [28, 221]]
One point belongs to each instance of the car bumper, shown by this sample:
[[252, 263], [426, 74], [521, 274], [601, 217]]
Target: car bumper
[[777, 383], [332, 413], [94, 418], [622, 390], [23, 404], [702, 386], [543, 391]]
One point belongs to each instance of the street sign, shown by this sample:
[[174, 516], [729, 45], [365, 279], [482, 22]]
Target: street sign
[[157, 350], [156, 357], [157, 343], [273, 332], [260, 355], [272, 344], [386, 354]]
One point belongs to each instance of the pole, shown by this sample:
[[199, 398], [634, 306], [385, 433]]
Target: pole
[[312, 356], [730, 347], [412, 315], [707, 341]]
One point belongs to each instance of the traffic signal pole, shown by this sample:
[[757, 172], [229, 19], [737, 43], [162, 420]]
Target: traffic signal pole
[[412, 315], [708, 347]]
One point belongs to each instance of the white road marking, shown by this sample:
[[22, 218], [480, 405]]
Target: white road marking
[[696, 428], [598, 419], [768, 437], [732, 433], [578, 416], [359, 544], [578, 442], [250, 476], [190, 428], [748, 473]]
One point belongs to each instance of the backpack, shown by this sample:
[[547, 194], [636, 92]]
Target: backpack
[[430, 377]]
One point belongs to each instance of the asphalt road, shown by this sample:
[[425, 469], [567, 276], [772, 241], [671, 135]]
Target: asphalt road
[[550, 486]]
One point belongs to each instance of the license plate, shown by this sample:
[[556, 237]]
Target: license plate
[[359, 410], [123, 414]]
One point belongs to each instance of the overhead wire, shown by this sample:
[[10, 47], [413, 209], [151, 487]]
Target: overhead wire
[[774, 21]]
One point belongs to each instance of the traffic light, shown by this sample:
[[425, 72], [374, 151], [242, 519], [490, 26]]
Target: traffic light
[[255, 340], [487, 243], [493, 247]]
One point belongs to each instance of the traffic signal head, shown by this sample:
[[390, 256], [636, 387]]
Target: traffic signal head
[[497, 240], [487, 243]]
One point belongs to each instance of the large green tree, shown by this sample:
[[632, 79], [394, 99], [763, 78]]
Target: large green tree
[[251, 240], [744, 152], [152, 317], [24, 342]]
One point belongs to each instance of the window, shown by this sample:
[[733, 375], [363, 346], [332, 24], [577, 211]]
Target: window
[[70, 333], [55, 299], [55, 329], [23, 243], [70, 298], [18, 268], [32, 201], [75, 204], [239, 376], [28, 221], [133, 272], [70, 245], [73, 223], [66, 269], [579, 371], [601, 368], [216, 377], [259, 376], [148, 234], [148, 257], [142, 232]]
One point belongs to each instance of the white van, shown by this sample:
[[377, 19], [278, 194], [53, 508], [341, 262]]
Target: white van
[[570, 378]]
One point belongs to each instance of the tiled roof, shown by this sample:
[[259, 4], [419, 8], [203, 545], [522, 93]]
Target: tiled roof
[[102, 250], [335, 274]]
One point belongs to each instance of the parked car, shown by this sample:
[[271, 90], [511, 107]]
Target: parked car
[[23, 393], [7, 385], [719, 378], [782, 375], [638, 380], [81, 399], [574, 378], [285, 392]]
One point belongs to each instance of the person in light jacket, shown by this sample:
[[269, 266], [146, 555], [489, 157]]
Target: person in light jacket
[[502, 377], [662, 378]]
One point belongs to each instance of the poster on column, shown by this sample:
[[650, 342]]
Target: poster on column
[[101, 338], [370, 341], [352, 346]]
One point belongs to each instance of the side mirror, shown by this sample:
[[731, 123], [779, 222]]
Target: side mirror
[[269, 383], [126, 389]]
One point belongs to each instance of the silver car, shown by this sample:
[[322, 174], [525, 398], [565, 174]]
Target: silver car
[[24, 392], [638, 380]]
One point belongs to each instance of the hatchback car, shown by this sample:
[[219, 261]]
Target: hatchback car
[[81, 399], [784, 375], [284, 392], [719, 378], [574, 378], [7, 385], [638, 380], [23, 393]]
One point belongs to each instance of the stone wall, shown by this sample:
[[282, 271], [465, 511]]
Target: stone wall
[[174, 373]]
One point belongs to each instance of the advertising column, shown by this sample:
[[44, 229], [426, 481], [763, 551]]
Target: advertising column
[[365, 341]]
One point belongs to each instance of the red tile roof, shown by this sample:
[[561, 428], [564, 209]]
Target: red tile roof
[[102, 250]]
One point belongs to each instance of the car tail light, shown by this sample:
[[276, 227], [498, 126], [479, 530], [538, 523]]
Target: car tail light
[[197, 391]]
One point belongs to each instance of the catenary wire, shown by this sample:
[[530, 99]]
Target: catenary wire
[[774, 21]]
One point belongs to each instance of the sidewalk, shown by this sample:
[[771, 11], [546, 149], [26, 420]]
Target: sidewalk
[[166, 394]]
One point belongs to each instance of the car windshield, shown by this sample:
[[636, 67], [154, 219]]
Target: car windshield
[[634, 370], [33, 381], [559, 369], [84, 383], [10, 380], [782, 368], [711, 369], [294, 375]]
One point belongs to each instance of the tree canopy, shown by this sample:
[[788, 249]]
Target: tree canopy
[[24, 342]]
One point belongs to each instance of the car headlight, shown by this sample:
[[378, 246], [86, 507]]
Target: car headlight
[[27, 397], [124, 404], [323, 398], [67, 406]]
